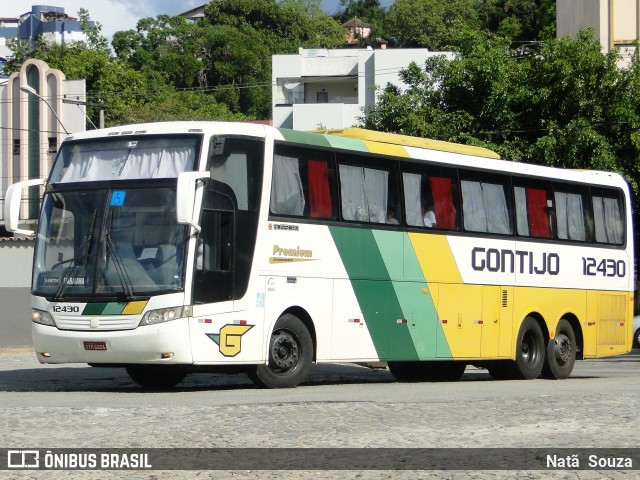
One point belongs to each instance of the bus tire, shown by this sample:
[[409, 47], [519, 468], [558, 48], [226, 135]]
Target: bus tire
[[290, 355], [561, 353], [156, 376], [529, 351], [429, 371]]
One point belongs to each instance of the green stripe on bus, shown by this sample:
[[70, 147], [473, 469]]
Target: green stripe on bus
[[428, 336], [347, 143], [94, 308], [413, 295], [375, 292], [308, 138], [114, 308]]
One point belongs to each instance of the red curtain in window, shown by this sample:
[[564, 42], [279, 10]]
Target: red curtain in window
[[319, 193], [537, 212], [443, 202]]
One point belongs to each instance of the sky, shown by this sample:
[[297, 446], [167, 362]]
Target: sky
[[116, 15]]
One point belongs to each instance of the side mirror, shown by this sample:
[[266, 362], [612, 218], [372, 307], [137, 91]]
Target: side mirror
[[12, 202], [188, 184]]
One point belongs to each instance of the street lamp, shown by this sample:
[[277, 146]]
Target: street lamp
[[31, 91]]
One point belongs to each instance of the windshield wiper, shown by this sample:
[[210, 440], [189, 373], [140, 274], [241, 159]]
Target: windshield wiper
[[85, 248], [125, 282]]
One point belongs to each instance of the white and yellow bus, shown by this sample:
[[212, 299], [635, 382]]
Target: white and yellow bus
[[173, 248]]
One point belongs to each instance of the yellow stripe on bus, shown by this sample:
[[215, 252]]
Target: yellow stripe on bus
[[134, 308], [386, 149], [435, 258]]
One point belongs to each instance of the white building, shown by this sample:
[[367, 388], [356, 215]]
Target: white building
[[320, 88], [32, 126], [615, 23]]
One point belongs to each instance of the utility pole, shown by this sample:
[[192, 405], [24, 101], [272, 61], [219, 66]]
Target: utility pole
[[101, 106]]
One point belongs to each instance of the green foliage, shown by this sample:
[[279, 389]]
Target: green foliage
[[563, 103], [435, 24], [520, 20], [180, 106], [95, 40]]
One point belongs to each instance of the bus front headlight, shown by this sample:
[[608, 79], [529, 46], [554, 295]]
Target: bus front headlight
[[162, 315], [42, 317]]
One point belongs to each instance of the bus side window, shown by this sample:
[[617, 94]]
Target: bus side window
[[430, 199], [571, 221], [303, 183], [443, 194], [368, 195], [319, 177], [608, 218], [533, 212], [287, 195], [484, 207]]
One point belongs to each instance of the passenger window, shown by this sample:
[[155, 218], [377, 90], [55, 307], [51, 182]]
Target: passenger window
[[608, 218], [368, 194], [303, 183], [287, 196], [570, 214], [484, 207], [237, 163], [430, 201], [533, 207]]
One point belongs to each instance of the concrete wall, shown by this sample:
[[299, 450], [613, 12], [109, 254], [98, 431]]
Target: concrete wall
[[15, 282]]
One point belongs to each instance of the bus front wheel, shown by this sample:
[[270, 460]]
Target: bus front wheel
[[156, 376], [561, 352], [290, 355]]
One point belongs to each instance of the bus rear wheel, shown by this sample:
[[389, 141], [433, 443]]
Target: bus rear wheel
[[156, 376], [290, 355], [561, 353], [432, 371]]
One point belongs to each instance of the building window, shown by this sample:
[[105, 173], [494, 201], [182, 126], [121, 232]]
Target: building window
[[322, 97], [53, 145]]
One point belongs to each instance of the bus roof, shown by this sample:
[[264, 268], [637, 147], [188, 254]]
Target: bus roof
[[406, 140]]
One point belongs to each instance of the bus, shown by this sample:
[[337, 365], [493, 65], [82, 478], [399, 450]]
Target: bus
[[182, 247]]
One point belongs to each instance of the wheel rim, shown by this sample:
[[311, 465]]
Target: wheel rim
[[563, 348], [530, 351], [285, 352]]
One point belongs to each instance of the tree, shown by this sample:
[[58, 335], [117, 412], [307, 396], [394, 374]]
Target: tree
[[228, 53], [434, 24], [163, 44], [566, 104], [95, 40], [522, 20]]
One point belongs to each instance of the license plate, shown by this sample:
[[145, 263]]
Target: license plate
[[95, 345]]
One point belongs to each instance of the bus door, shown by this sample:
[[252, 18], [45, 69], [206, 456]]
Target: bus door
[[225, 253]]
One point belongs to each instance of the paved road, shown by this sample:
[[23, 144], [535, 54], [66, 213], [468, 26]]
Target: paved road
[[74, 406]]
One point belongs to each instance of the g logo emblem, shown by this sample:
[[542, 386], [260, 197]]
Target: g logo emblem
[[230, 338]]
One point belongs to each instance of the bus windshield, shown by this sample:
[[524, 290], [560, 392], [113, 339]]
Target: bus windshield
[[125, 158], [122, 242]]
